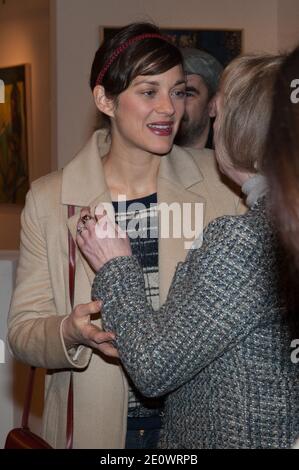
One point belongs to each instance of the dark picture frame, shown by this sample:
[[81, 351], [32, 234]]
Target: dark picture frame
[[15, 134]]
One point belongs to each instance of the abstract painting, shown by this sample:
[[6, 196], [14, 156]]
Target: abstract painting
[[14, 134]]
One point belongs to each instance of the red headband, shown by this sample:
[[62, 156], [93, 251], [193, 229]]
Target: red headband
[[122, 48]]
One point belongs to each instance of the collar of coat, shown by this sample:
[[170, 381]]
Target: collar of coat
[[83, 182]]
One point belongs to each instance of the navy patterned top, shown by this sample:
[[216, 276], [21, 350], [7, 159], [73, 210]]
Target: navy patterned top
[[139, 217]]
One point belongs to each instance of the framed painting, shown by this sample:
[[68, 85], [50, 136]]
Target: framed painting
[[224, 44], [15, 132]]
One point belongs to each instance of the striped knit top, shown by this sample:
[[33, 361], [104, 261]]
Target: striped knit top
[[139, 217]]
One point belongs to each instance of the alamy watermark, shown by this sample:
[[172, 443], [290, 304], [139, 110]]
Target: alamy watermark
[[174, 220], [295, 353], [2, 351], [295, 93]]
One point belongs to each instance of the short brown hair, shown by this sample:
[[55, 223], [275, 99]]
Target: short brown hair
[[243, 121], [151, 56]]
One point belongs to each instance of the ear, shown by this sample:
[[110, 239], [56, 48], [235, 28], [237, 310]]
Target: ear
[[103, 103], [212, 107]]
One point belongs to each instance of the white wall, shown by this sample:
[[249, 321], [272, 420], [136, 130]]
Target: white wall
[[14, 375], [75, 38], [7, 269], [288, 24], [24, 38]]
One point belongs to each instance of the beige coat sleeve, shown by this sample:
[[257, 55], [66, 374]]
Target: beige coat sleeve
[[34, 325]]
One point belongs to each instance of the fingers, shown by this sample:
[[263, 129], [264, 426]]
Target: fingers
[[85, 211], [107, 228], [86, 218], [98, 336], [102, 341], [101, 228], [100, 211], [82, 310], [108, 349], [78, 329], [86, 223], [100, 224]]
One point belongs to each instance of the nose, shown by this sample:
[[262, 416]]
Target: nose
[[165, 106]]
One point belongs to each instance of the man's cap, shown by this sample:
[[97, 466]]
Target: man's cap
[[201, 63]]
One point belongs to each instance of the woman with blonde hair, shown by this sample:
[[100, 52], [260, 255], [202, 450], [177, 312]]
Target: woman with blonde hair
[[219, 347]]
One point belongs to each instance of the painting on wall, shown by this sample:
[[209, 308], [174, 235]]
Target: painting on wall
[[14, 134], [225, 45]]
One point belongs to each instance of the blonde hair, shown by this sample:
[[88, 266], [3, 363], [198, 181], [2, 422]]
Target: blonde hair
[[242, 123]]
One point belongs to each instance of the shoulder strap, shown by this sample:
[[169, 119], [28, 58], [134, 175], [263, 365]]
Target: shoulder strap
[[72, 272], [28, 399], [70, 399]]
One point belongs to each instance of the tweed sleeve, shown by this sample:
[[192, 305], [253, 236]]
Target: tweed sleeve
[[216, 299]]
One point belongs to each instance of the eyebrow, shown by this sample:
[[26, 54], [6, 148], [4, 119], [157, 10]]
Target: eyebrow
[[155, 83], [192, 88]]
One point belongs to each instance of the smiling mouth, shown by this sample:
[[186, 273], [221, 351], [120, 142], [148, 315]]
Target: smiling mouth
[[161, 129]]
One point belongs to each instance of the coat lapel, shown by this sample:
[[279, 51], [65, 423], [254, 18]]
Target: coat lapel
[[177, 173], [72, 226], [83, 185], [83, 178]]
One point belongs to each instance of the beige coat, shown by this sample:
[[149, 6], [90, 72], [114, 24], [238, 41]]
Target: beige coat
[[40, 301]]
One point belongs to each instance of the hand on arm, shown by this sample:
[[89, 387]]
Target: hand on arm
[[213, 302], [77, 329]]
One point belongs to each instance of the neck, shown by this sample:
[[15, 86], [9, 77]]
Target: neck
[[133, 173]]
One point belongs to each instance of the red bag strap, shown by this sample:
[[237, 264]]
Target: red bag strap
[[28, 399], [70, 398], [72, 272]]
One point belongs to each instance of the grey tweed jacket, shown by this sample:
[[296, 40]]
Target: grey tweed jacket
[[219, 346]]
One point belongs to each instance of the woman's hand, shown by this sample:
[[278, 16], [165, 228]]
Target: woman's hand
[[77, 329], [100, 240]]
